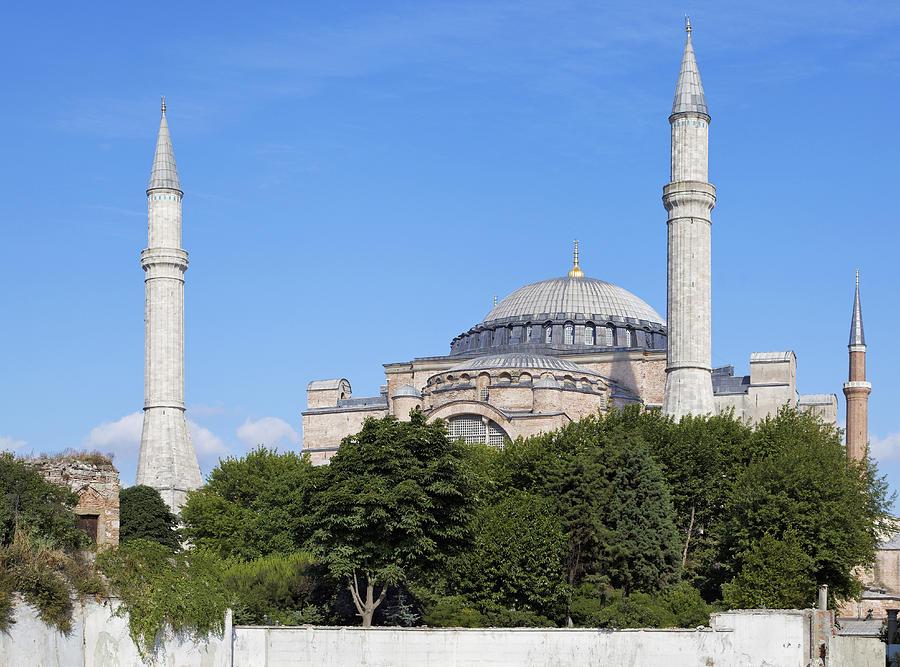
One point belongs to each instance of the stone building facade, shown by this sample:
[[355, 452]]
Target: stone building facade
[[97, 484], [556, 350]]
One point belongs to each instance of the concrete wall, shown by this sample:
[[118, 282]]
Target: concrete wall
[[735, 639], [99, 639]]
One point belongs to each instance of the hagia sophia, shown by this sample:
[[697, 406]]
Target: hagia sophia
[[547, 354], [557, 350]]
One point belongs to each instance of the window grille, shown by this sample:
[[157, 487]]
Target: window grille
[[589, 334], [610, 336], [569, 334], [548, 333], [484, 395], [527, 333], [473, 429]]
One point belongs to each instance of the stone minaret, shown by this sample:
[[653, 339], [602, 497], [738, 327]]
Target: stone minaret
[[857, 390], [689, 199], [167, 461]]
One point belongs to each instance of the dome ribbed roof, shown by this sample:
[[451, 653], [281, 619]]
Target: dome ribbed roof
[[525, 361], [588, 296]]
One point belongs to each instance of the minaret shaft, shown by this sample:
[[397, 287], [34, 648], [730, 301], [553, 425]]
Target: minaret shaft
[[857, 389], [689, 199], [167, 461]]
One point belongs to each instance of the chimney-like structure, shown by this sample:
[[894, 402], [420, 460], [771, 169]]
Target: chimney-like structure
[[689, 199], [857, 389], [167, 461]]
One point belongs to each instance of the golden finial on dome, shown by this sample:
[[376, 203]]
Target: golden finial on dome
[[576, 271], [495, 299]]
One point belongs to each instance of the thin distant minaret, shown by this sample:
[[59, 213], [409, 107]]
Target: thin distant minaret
[[857, 390], [689, 198], [167, 461]]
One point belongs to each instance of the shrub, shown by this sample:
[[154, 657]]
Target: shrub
[[160, 589]]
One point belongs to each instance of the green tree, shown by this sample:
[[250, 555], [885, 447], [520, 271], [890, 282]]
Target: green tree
[[252, 506], [29, 502], [516, 561], [143, 514], [272, 589], [774, 574], [610, 495], [394, 503], [800, 489]]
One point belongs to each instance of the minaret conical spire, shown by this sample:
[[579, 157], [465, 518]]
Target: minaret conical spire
[[689, 97], [164, 174], [857, 334]]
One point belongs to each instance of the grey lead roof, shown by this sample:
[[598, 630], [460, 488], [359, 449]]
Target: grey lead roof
[[857, 334], [588, 296], [689, 97], [164, 174], [521, 360]]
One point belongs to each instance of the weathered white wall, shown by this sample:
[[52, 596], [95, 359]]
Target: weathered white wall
[[735, 639], [741, 639], [99, 639], [862, 651]]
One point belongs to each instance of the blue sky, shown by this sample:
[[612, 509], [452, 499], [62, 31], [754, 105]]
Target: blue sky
[[362, 178]]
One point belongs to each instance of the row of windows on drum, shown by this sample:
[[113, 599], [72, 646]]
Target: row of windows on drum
[[605, 336]]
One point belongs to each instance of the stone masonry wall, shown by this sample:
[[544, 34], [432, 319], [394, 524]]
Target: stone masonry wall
[[97, 486]]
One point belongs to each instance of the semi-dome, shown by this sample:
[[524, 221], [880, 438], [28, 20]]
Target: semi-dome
[[535, 362], [588, 297], [408, 391]]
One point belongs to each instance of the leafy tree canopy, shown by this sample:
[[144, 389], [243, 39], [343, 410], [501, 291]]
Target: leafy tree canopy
[[393, 504], [143, 514], [252, 506]]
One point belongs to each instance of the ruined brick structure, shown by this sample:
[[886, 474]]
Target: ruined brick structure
[[97, 484]]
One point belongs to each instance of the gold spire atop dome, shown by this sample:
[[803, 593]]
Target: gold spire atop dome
[[576, 271], [687, 24], [495, 299], [163, 98]]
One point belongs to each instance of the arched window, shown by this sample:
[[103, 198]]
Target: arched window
[[498, 337], [632, 337], [589, 334], [569, 333], [548, 333], [610, 335], [474, 428], [528, 332]]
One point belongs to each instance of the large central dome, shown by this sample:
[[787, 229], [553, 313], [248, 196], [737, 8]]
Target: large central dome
[[586, 297]]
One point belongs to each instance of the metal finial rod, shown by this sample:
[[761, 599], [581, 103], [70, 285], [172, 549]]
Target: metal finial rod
[[576, 271], [163, 98], [687, 24], [857, 278], [495, 299]]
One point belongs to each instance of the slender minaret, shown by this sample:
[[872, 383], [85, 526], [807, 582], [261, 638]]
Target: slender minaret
[[167, 461], [689, 199], [857, 390]]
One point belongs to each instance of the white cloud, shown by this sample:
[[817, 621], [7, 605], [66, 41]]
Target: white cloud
[[8, 444], [202, 410], [267, 431], [122, 436], [206, 443], [886, 448]]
